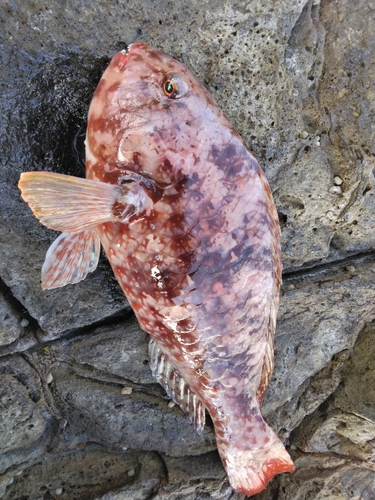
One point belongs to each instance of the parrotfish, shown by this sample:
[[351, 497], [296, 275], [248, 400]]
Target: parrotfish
[[186, 218]]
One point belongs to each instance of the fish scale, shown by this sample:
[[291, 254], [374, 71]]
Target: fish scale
[[187, 220]]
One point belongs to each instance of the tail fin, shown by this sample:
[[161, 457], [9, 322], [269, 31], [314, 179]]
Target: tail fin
[[249, 471], [253, 454]]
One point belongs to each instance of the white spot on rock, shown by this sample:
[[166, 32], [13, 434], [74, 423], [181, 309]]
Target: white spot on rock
[[335, 190], [126, 390], [337, 180]]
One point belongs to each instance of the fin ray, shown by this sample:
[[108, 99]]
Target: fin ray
[[70, 258], [69, 204], [176, 387]]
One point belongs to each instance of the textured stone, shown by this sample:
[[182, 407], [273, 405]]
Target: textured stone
[[10, 327], [196, 477], [123, 421], [90, 473], [120, 350], [319, 319], [334, 446], [330, 81], [21, 421]]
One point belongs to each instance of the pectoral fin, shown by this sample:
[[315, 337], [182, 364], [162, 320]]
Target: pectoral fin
[[66, 203], [70, 258]]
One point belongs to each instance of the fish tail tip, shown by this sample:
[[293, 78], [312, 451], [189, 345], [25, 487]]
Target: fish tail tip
[[250, 472]]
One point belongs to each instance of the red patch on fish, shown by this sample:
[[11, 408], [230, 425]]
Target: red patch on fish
[[188, 223]]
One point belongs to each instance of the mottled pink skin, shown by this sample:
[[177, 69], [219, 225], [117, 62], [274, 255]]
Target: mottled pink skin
[[202, 269]]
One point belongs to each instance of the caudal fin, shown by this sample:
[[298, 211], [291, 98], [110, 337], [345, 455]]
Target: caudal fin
[[249, 471], [251, 452]]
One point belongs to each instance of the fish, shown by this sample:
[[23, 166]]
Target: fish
[[186, 218]]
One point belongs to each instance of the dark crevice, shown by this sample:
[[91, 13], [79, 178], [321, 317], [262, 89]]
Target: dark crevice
[[319, 270], [18, 307], [118, 317]]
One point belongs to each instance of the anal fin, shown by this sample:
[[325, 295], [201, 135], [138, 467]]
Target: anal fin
[[70, 258], [176, 387]]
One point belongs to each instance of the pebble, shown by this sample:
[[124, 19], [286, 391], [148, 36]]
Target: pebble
[[49, 378], [171, 404], [337, 180], [131, 472], [24, 323], [126, 390], [350, 268], [58, 491], [334, 190], [304, 134]]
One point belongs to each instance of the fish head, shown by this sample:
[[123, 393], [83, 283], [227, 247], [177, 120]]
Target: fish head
[[151, 116]]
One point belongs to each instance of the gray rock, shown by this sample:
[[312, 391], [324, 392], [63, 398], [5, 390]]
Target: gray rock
[[200, 477], [119, 350], [337, 439], [90, 473], [319, 320], [122, 421], [21, 421], [10, 323]]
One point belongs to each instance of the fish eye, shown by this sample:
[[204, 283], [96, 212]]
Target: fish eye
[[174, 87], [169, 88]]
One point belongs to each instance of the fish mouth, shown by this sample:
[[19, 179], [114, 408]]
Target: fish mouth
[[121, 58], [125, 52]]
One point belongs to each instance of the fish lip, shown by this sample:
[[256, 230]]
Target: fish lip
[[127, 50], [123, 59]]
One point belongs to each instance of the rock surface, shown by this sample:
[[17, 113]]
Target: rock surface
[[80, 415]]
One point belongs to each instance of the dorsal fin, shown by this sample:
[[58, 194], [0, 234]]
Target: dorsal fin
[[176, 387]]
